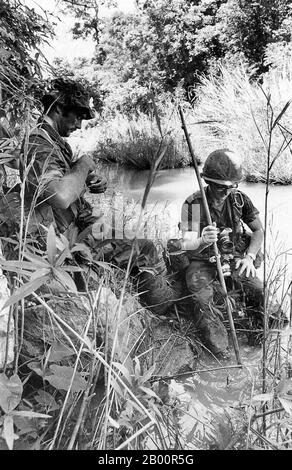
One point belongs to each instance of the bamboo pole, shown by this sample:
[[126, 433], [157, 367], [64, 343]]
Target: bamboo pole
[[217, 254]]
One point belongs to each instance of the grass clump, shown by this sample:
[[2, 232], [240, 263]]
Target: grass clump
[[133, 142]]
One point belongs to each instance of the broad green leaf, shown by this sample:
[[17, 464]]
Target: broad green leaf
[[81, 247], [137, 369], [113, 422], [10, 392], [46, 400], [61, 258], [25, 425], [150, 392], [102, 264], [29, 414], [36, 260], [8, 431], [51, 245], [10, 240], [287, 405], [71, 234], [20, 265], [58, 351], [40, 273], [284, 389], [26, 290], [148, 374], [72, 269], [61, 379], [37, 368], [117, 387], [123, 370], [65, 279], [6, 158], [62, 242], [87, 342], [22, 272]]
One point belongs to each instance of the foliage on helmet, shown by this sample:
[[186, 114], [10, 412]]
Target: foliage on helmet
[[68, 93]]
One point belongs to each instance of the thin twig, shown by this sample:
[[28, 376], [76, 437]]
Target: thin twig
[[198, 371]]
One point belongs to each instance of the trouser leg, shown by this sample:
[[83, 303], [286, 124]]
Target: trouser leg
[[148, 269], [200, 277], [253, 291], [153, 286]]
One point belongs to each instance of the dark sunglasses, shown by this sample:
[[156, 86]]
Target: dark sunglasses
[[225, 187]]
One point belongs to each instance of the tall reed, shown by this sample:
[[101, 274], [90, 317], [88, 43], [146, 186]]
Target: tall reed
[[233, 104], [275, 381]]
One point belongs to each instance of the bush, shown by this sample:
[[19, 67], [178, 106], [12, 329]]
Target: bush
[[133, 142], [238, 109]]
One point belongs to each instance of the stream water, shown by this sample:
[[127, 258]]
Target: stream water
[[172, 187], [208, 398]]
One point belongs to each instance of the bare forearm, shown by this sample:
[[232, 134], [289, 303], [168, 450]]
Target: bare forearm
[[190, 242], [63, 192], [256, 241]]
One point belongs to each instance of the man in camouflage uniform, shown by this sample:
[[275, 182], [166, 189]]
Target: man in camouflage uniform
[[55, 187], [230, 209]]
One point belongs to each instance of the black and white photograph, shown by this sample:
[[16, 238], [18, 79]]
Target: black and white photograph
[[145, 217]]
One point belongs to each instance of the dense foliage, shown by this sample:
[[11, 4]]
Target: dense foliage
[[87, 14], [172, 43], [22, 30], [49, 394]]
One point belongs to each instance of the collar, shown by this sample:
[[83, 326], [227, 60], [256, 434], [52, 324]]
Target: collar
[[48, 124], [49, 121]]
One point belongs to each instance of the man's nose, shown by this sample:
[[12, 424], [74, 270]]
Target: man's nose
[[78, 123]]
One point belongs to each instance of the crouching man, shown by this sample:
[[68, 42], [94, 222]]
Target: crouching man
[[231, 212], [55, 185]]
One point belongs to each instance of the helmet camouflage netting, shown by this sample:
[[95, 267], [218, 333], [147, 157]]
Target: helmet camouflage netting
[[68, 93]]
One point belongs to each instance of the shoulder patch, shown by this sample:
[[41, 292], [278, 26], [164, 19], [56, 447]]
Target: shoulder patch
[[195, 196]]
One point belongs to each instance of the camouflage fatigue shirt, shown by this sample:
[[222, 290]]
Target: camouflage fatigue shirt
[[47, 157], [237, 211]]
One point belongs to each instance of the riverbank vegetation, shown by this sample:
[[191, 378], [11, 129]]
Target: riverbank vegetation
[[77, 386], [133, 142], [202, 56], [229, 111]]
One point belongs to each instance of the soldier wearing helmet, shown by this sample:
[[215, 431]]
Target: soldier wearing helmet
[[232, 213], [52, 178], [55, 185]]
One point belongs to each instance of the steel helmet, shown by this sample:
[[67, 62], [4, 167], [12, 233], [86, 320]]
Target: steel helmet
[[223, 167], [68, 93]]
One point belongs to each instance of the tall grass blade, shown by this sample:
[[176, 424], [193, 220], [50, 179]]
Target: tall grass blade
[[281, 114], [26, 290]]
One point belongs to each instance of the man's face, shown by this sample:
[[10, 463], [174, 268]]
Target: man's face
[[70, 122], [221, 191]]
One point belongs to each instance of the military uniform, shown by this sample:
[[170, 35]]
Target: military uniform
[[201, 274], [49, 157]]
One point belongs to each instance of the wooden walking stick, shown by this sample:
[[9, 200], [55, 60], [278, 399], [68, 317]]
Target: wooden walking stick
[[217, 254]]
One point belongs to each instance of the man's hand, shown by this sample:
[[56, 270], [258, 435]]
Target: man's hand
[[210, 234], [100, 229], [246, 264], [96, 184]]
